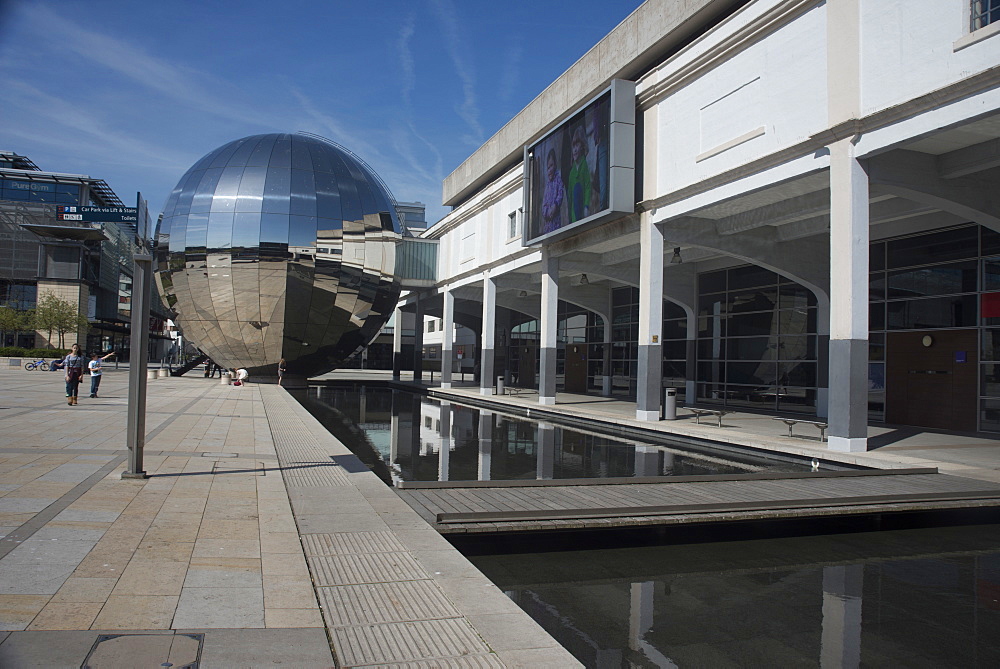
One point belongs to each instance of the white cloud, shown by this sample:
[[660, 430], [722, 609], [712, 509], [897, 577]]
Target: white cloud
[[468, 110]]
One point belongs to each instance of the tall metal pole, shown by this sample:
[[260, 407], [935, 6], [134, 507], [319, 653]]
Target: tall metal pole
[[136, 429]]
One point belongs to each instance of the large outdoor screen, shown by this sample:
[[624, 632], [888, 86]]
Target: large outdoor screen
[[582, 172]]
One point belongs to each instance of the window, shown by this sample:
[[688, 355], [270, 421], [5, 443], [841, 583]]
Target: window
[[512, 231], [430, 326], [984, 12]]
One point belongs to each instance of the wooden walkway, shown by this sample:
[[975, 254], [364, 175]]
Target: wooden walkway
[[553, 505]]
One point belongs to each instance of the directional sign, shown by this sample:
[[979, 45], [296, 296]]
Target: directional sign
[[97, 214]]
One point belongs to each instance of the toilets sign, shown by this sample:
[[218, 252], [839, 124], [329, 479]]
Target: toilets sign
[[97, 214]]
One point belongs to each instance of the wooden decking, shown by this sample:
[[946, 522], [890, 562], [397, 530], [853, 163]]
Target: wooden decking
[[548, 505]]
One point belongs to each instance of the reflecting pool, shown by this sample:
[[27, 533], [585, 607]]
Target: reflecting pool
[[904, 598], [410, 437]]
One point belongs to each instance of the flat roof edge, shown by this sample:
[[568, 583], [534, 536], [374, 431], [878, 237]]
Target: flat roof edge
[[633, 45]]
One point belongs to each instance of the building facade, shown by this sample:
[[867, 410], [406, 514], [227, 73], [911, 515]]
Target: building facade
[[86, 264], [814, 230]]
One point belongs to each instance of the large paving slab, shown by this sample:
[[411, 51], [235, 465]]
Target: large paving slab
[[254, 541]]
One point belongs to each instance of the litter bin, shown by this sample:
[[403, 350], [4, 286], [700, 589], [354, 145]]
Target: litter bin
[[669, 404], [499, 385], [226, 379], [150, 374]]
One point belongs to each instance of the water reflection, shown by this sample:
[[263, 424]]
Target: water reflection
[[913, 598], [405, 436]]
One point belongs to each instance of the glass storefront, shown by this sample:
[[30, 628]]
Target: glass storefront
[[757, 342]]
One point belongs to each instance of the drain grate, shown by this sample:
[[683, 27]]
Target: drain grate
[[179, 651]]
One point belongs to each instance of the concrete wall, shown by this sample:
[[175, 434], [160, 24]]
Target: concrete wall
[[626, 50]]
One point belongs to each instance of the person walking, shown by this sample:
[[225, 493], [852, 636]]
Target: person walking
[[282, 368], [95, 371], [74, 373]]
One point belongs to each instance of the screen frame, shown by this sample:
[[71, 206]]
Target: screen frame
[[621, 164]]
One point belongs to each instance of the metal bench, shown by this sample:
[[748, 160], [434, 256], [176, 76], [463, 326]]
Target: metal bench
[[698, 413], [517, 390], [790, 422]]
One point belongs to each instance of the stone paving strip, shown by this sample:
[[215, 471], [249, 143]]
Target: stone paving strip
[[393, 592], [257, 538]]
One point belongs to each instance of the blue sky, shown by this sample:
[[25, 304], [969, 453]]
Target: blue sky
[[135, 92]]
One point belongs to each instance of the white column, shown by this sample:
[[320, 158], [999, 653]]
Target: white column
[[485, 444], [549, 323], [649, 381], [848, 352], [447, 337], [487, 353]]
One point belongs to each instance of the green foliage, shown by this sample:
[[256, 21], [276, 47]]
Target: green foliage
[[53, 314], [14, 320], [35, 353]]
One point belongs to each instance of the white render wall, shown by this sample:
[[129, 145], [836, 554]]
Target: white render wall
[[909, 48], [771, 94], [754, 86]]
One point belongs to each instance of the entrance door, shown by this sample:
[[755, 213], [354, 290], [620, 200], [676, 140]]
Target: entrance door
[[931, 379], [525, 370], [575, 380]]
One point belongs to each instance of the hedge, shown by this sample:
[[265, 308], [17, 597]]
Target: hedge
[[18, 352]]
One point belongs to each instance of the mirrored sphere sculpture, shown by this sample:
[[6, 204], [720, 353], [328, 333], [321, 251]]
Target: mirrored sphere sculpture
[[279, 246]]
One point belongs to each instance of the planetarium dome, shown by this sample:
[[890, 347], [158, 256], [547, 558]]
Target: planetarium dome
[[279, 246]]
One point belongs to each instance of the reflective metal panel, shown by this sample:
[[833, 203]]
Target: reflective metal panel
[[279, 246]]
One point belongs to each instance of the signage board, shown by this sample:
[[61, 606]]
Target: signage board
[[97, 214]]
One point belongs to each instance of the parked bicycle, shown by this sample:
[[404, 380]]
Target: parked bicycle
[[37, 364]]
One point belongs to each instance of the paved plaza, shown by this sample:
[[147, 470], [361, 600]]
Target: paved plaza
[[257, 540]]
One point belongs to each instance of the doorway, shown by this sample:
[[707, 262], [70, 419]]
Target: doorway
[[931, 379], [575, 380]]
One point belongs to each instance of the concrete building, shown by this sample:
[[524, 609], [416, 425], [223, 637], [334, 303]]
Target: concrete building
[[813, 227]]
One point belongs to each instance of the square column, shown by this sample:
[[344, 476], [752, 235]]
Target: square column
[[418, 341], [486, 349], [848, 352], [649, 377], [447, 337], [549, 323], [606, 361], [397, 343]]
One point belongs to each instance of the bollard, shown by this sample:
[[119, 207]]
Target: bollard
[[150, 374], [163, 372]]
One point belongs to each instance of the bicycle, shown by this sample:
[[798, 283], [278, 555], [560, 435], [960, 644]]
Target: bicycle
[[37, 364]]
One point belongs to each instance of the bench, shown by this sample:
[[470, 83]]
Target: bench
[[517, 390], [698, 413], [791, 422]]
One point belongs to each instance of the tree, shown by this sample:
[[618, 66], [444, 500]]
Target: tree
[[15, 320], [53, 314]]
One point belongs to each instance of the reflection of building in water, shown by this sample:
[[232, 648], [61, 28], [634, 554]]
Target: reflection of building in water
[[800, 600]]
